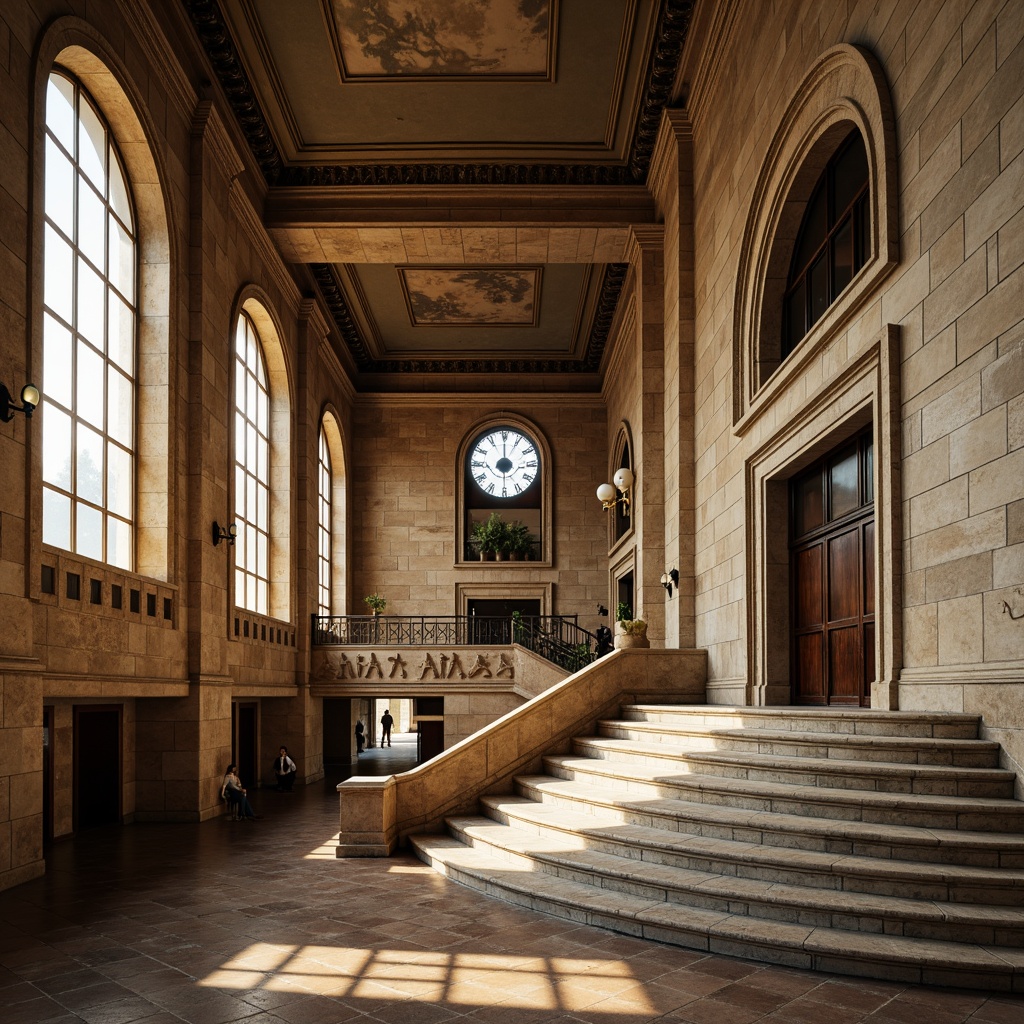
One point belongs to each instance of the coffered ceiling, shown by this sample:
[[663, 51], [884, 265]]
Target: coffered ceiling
[[458, 176]]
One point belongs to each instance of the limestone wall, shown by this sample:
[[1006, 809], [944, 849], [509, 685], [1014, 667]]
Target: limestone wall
[[953, 73]]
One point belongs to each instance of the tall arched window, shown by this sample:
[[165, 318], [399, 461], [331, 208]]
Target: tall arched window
[[89, 333], [833, 242], [252, 471], [324, 531]]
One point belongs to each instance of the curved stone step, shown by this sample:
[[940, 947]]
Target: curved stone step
[[828, 835], [569, 855], [873, 776], [926, 811], [842, 746], [955, 883], [899, 958], [855, 721]]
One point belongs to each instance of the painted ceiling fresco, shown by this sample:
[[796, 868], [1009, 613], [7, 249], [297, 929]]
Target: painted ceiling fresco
[[471, 296], [442, 38]]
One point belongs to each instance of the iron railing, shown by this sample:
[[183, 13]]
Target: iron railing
[[558, 638]]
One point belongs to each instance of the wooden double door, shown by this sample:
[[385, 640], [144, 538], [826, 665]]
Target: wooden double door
[[832, 577]]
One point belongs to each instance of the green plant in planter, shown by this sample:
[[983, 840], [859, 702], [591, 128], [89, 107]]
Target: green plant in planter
[[375, 603], [629, 625], [520, 540], [489, 535]]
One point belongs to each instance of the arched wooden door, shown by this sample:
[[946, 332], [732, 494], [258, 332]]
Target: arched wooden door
[[832, 577]]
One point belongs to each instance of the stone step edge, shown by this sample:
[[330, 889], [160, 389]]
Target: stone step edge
[[806, 765], [857, 716], [792, 791], [737, 851], [787, 895], [789, 824], [826, 949], [817, 739]]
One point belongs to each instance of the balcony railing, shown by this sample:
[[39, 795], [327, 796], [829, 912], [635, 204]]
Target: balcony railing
[[558, 638]]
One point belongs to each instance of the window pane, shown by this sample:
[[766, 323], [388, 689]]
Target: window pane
[[851, 174], [89, 385], [119, 543], [808, 506], [60, 110], [92, 297], [121, 265], [89, 465], [88, 531], [812, 231], [92, 217], [239, 438], [817, 282], [92, 145], [250, 499], [239, 587], [261, 597], [118, 191], [119, 481], [121, 334], [844, 492], [56, 519], [56, 447], [56, 361], [120, 416], [863, 239], [57, 275], [841, 248], [796, 316], [60, 189], [262, 500]]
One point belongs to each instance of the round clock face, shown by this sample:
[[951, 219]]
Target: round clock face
[[503, 463]]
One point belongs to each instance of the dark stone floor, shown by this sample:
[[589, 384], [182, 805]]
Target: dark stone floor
[[260, 922]]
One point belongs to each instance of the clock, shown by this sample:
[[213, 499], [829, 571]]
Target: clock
[[503, 463]]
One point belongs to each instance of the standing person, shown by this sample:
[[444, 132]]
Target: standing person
[[236, 795], [284, 769], [359, 736], [385, 723]]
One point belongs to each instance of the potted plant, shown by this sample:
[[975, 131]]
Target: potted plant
[[520, 541], [488, 535], [376, 603], [629, 632]]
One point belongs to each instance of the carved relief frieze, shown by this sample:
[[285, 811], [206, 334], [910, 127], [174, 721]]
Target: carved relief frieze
[[413, 666]]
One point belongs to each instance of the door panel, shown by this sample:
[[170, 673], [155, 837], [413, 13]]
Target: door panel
[[832, 577]]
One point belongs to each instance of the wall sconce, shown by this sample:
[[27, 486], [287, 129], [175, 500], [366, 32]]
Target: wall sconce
[[227, 533], [623, 480], [29, 400], [668, 578]]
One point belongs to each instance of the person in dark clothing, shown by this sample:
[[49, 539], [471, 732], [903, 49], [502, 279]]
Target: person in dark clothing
[[385, 723], [284, 769], [359, 737]]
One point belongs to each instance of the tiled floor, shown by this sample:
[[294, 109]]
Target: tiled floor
[[259, 922]]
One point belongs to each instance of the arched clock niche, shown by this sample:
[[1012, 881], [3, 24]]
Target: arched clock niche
[[503, 471]]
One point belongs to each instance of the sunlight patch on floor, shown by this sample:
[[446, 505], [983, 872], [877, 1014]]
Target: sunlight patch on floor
[[457, 979]]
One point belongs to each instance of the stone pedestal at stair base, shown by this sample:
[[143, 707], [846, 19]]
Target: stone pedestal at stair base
[[367, 801]]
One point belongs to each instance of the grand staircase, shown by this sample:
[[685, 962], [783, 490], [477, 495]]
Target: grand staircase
[[882, 844]]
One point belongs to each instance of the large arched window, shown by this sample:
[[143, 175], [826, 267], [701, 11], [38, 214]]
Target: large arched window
[[833, 241], [324, 528], [252, 471], [89, 333]]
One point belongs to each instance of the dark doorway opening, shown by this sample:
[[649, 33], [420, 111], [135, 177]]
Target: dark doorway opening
[[47, 773], [97, 766], [495, 626], [244, 745], [624, 593], [832, 577], [339, 731]]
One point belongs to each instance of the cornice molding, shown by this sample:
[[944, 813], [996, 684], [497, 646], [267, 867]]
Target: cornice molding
[[662, 65], [212, 30], [604, 315], [431, 400]]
